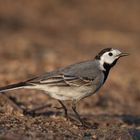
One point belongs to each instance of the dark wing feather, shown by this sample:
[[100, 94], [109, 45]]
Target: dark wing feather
[[63, 80], [79, 74]]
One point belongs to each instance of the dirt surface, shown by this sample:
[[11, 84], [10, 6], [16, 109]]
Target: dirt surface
[[37, 36]]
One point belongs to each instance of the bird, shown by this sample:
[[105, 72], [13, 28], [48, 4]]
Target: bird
[[73, 82]]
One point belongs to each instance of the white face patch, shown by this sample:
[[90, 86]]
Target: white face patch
[[109, 57]]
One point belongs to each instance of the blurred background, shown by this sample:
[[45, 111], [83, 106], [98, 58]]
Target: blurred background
[[37, 36]]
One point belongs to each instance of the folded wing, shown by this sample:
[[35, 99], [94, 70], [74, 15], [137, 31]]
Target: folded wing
[[62, 80]]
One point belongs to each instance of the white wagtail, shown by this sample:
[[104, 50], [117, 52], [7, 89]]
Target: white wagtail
[[73, 82]]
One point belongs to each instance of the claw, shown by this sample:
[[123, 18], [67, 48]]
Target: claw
[[88, 125]]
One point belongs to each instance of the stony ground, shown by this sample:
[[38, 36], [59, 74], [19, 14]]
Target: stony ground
[[39, 36]]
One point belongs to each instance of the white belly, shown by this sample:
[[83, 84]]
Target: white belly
[[69, 93], [66, 93]]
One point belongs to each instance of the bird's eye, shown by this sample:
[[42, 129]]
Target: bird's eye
[[110, 54]]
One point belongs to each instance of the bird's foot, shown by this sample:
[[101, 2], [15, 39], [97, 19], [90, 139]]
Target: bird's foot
[[88, 125], [29, 112]]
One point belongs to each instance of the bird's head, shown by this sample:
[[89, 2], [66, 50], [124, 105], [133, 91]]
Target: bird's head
[[108, 57]]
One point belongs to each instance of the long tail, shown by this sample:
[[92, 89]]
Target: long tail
[[13, 86]]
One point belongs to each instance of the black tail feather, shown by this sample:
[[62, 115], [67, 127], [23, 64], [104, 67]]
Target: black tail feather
[[13, 86]]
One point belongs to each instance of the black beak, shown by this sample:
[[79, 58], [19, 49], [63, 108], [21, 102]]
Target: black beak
[[123, 54]]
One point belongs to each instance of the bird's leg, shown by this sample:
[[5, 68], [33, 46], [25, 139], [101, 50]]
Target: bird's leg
[[84, 124], [76, 113], [64, 108]]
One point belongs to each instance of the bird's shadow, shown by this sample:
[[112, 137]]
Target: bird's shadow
[[39, 111], [43, 110], [126, 118], [135, 133], [129, 119]]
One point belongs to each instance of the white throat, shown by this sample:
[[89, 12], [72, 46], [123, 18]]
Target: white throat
[[101, 62]]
